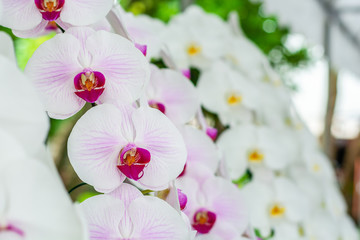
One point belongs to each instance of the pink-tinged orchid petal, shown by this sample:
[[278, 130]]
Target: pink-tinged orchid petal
[[155, 219], [126, 193], [161, 138], [175, 92], [37, 31], [19, 14], [125, 68], [52, 69], [85, 12], [95, 143], [200, 148], [103, 214], [126, 214], [227, 202], [82, 34]]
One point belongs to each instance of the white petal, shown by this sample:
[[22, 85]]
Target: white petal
[[176, 92], [20, 14], [103, 214], [37, 31], [200, 148], [125, 68], [52, 68], [39, 203], [7, 47], [155, 219], [94, 146], [156, 133], [23, 116], [85, 12], [227, 202]]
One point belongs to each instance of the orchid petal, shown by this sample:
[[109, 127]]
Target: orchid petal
[[200, 148], [125, 68], [155, 219], [23, 116], [103, 214], [126, 193], [227, 202], [84, 12], [52, 68], [176, 92], [39, 214], [7, 47], [158, 135], [37, 31], [94, 146], [20, 14]]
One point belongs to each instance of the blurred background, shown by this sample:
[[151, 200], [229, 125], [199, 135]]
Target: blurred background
[[313, 44]]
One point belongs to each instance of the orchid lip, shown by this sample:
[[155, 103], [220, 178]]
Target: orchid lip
[[203, 220], [50, 9], [89, 85], [132, 161], [157, 105]]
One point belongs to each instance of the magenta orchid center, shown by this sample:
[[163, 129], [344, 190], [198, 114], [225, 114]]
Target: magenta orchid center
[[203, 220], [89, 85], [12, 229], [157, 105], [132, 161], [50, 9]]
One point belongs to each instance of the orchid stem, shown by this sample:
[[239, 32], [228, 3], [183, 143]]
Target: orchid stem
[[76, 187]]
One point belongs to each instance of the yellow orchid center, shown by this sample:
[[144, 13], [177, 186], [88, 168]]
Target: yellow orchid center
[[255, 156], [316, 167], [277, 211], [131, 156], [193, 49], [234, 99]]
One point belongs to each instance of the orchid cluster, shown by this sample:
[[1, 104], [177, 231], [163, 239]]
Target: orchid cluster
[[218, 156]]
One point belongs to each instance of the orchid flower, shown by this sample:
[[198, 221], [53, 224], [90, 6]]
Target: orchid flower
[[224, 91], [126, 214], [255, 146], [82, 66], [29, 18], [173, 94], [192, 40], [111, 143], [215, 207], [272, 203]]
